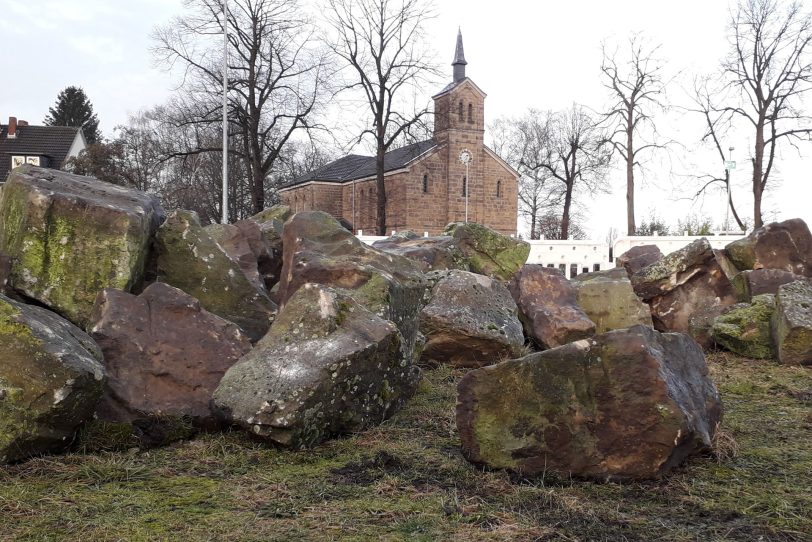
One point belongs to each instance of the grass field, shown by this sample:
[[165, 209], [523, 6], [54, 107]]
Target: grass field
[[407, 480]]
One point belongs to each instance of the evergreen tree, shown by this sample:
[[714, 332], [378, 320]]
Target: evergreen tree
[[72, 108]]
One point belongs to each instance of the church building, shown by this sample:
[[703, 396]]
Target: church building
[[429, 184]]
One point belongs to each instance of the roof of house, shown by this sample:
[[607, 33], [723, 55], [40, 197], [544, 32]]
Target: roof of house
[[52, 141], [354, 166]]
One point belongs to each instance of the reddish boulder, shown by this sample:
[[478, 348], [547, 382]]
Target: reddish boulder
[[164, 354], [749, 284], [792, 323], [245, 243], [636, 258], [780, 245], [627, 404], [430, 253], [683, 284], [548, 307]]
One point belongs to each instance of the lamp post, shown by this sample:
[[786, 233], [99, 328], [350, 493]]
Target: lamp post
[[465, 158], [730, 165], [225, 112]]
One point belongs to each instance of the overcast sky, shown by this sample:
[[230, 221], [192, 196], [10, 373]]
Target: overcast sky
[[544, 55]]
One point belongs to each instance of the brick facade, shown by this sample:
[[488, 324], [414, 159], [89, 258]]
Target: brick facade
[[427, 193]]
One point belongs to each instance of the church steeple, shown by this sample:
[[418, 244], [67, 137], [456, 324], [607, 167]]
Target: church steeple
[[459, 59]]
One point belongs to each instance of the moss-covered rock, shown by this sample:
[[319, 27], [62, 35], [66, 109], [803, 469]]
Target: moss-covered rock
[[327, 366], [487, 251], [50, 380], [631, 403], [277, 213], [189, 259], [69, 237], [608, 299], [792, 323], [745, 328], [469, 321]]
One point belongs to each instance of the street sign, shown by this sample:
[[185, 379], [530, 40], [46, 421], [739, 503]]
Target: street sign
[[730, 164]]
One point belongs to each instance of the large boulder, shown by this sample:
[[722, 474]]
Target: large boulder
[[163, 352], [749, 284], [745, 328], [780, 245], [608, 299], [317, 249], [327, 366], [430, 253], [627, 404], [548, 307], [487, 251], [792, 323], [245, 243], [5, 273], [636, 258], [470, 320], [683, 284], [269, 259], [69, 237], [188, 258], [51, 378]]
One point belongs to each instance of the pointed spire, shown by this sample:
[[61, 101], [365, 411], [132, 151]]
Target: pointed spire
[[459, 59]]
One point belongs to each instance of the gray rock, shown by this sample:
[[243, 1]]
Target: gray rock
[[51, 378], [470, 320], [636, 258], [792, 323], [430, 253], [608, 299], [327, 366]]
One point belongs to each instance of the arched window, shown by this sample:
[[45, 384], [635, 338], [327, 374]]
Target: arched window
[[426, 183], [471, 113], [459, 110], [498, 189], [464, 186]]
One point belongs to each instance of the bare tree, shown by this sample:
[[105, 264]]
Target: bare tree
[[382, 43], [636, 88], [275, 73], [770, 70]]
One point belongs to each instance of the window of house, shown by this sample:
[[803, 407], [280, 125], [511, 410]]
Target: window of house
[[426, 183], [17, 161], [574, 270], [498, 189], [459, 110], [470, 112], [596, 267], [464, 186]]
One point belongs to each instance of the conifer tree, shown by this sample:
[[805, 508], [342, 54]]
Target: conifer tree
[[73, 108]]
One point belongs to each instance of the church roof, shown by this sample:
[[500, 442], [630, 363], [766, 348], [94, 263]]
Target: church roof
[[353, 167]]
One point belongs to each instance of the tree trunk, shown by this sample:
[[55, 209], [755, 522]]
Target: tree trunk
[[257, 188], [758, 173], [630, 226], [565, 217], [730, 202], [381, 208]]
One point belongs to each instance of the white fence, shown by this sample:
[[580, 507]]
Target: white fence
[[577, 257]]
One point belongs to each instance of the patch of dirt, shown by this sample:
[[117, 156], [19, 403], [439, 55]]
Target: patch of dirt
[[369, 470]]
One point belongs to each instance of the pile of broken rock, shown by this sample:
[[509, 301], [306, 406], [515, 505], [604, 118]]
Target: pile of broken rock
[[288, 326]]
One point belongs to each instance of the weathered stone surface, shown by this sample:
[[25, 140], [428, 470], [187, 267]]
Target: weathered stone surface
[[271, 222], [50, 380], [430, 253], [548, 308], [163, 352], [5, 273], [745, 328], [700, 323], [327, 366], [636, 258], [749, 284], [729, 269], [470, 320], [318, 250], [488, 252], [69, 237], [683, 284], [608, 299], [792, 323], [245, 243], [277, 213], [780, 245], [627, 404], [188, 258]]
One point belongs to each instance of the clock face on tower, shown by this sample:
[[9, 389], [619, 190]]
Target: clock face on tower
[[465, 156]]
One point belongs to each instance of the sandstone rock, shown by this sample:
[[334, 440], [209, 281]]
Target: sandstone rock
[[780, 245], [271, 222], [277, 213], [729, 269], [627, 404], [5, 273], [327, 366], [163, 353], [430, 253], [70, 237], [608, 299], [792, 323], [470, 320], [636, 258], [318, 250], [683, 284], [548, 308], [245, 243], [488, 252], [50, 380], [188, 258], [749, 284], [700, 324], [744, 329]]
